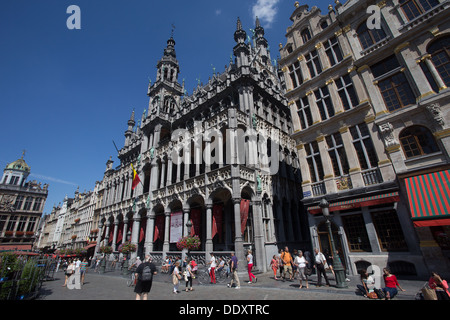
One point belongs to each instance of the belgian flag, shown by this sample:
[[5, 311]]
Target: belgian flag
[[136, 179]]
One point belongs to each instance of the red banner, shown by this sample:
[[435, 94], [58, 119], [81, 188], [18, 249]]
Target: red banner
[[142, 229], [111, 234], [159, 227], [196, 220], [217, 221], [245, 204], [119, 233]]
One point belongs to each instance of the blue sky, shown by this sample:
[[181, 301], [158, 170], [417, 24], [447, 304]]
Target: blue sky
[[65, 95]]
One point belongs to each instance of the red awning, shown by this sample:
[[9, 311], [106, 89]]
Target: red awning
[[429, 198], [357, 203], [90, 246]]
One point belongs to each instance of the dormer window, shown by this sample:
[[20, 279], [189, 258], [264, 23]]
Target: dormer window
[[306, 35], [324, 25]]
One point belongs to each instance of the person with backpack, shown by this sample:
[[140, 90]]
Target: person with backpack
[[144, 275]]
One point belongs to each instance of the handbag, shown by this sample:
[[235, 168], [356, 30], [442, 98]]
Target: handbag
[[372, 295], [175, 279], [308, 271], [428, 293]]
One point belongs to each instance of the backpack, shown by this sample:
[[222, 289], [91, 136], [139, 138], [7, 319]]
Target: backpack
[[147, 273]]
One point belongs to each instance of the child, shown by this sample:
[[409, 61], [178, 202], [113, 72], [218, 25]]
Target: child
[[274, 266]]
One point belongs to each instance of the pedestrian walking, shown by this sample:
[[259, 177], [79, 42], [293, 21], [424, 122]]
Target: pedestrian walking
[[280, 262], [440, 286], [188, 276], [251, 276], [144, 275], [176, 277], [287, 263], [301, 263], [83, 270], [320, 263], [274, 266], [77, 264], [391, 284], [234, 275], [212, 263], [69, 271]]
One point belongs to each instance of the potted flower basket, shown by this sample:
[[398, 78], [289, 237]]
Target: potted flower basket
[[106, 249], [127, 247], [189, 243]]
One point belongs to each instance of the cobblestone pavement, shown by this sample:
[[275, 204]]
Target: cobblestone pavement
[[113, 286]]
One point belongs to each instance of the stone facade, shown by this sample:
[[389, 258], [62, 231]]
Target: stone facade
[[203, 157], [354, 92]]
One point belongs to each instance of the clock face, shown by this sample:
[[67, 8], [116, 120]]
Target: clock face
[[7, 203]]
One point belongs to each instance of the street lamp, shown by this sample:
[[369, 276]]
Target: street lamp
[[337, 264]]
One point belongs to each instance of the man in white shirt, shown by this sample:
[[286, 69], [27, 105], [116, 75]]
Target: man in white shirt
[[212, 273], [319, 264]]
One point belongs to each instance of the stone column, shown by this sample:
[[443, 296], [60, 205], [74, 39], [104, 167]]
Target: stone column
[[166, 244], [260, 250], [116, 228], [374, 93], [335, 99], [208, 244], [99, 238], [163, 170], [313, 107], [169, 171], [186, 211], [149, 233], [238, 240], [420, 80], [125, 230], [107, 224], [136, 229], [328, 179], [437, 77], [352, 158]]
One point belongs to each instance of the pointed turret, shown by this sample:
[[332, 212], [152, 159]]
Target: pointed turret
[[240, 35], [129, 132], [241, 50], [166, 92], [168, 67], [261, 42]]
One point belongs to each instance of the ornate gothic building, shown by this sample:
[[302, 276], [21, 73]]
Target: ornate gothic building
[[219, 163]]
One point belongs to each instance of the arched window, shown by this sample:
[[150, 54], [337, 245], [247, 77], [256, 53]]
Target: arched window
[[440, 55], [415, 8], [368, 37], [417, 141], [306, 35]]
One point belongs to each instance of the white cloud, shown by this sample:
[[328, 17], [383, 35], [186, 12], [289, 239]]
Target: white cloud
[[51, 179], [266, 11], [218, 12]]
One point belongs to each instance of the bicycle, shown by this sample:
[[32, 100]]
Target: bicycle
[[204, 277], [132, 279]]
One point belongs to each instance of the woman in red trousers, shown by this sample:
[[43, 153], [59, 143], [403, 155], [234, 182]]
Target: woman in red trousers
[[250, 266]]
